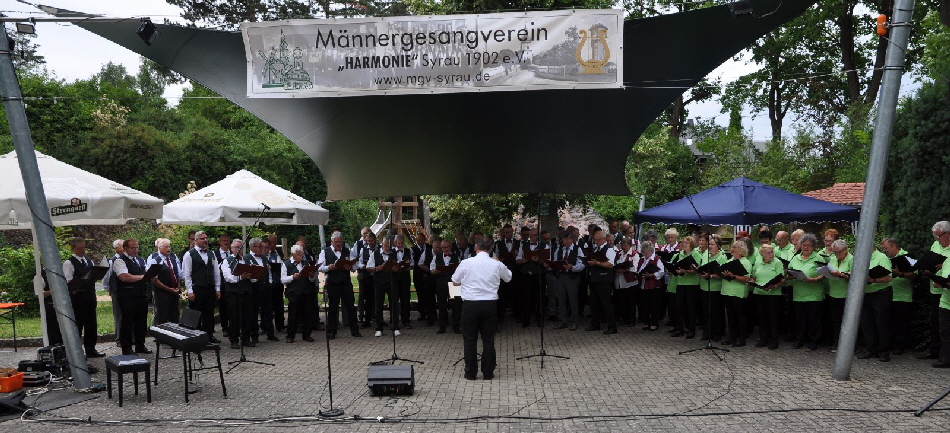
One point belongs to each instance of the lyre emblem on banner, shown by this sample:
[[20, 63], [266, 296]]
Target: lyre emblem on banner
[[597, 47]]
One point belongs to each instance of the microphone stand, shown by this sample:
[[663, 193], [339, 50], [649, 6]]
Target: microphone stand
[[392, 310], [331, 412], [243, 359], [541, 353], [709, 331]]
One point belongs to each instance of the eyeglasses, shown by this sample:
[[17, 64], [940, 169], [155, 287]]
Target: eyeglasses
[[936, 236], [202, 239]]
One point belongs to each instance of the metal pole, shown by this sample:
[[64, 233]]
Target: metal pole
[[42, 223], [884, 124]]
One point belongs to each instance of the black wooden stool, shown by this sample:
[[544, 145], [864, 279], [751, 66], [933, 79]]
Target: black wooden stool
[[134, 364]]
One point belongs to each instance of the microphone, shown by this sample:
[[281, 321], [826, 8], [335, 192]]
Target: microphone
[[266, 207]]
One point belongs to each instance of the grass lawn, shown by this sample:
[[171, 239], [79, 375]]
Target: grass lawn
[[30, 326]]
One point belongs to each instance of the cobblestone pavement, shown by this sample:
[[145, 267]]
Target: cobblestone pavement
[[632, 380]]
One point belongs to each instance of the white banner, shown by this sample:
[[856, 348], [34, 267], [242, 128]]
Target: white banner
[[574, 49]]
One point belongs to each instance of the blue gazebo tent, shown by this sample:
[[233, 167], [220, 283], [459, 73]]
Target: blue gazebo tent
[[744, 202]]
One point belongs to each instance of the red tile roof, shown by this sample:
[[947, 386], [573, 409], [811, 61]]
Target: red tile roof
[[841, 193]]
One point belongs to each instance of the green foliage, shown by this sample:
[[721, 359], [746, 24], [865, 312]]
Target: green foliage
[[918, 168], [17, 268], [935, 58], [354, 215], [661, 168], [615, 207]]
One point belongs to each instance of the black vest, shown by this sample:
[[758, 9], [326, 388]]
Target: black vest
[[337, 276], [571, 258], [406, 253], [165, 274], [600, 274], [242, 286], [131, 289], [202, 274], [300, 286], [440, 261], [259, 261], [274, 257], [80, 269], [529, 267], [417, 252], [383, 276]]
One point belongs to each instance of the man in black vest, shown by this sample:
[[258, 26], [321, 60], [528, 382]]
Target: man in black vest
[[364, 277], [107, 286], [191, 244], [299, 291], [506, 250], [263, 289], [133, 297], [311, 257], [403, 280], [422, 279], [166, 286], [199, 270], [240, 293], [338, 286], [82, 293], [601, 277], [220, 255], [383, 287], [442, 256], [532, 279], [568, 281], [273, 255]]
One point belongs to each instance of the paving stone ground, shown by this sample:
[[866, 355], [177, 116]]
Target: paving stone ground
[[632, 380]]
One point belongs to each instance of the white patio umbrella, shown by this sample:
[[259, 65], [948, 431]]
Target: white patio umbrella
[[243, 198], [75, 197]]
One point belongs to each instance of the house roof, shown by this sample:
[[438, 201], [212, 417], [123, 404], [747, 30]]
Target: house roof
[[851, 194]]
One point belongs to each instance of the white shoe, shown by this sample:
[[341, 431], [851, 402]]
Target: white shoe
[[379, 333], [396, 333]]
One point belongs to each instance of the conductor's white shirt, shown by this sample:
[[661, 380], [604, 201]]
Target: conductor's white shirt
[[480, 277]]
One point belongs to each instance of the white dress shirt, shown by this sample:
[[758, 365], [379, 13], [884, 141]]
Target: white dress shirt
[[226, 271], [261, 261], [659, 263], [186, 267], [322, 261], [287, 279], [480, 276], [162, 261]]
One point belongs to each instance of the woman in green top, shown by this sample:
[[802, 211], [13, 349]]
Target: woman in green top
[[807, 294], [769, 297], [687, 289], [735, 290], [841, 260], [711, 284], [902, 307]]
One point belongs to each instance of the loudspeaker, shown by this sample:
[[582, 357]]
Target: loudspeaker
[[391, 380]]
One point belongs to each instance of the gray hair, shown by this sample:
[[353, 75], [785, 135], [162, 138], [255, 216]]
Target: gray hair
[[484, 244], [117, 243], [237, 242], [672, 231], [294, 249], [161, 241], [336, 235], [254, 242], [646, 245], [840, 243], [199, 233], [941, 226], [741, 248], [808, 237]]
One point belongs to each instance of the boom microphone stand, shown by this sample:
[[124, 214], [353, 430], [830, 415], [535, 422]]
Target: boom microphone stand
[[709, 331], [393, 295], [243, 359], [542, 353]]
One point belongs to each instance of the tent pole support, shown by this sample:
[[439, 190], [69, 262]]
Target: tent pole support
[[42, 222], [877, 167]]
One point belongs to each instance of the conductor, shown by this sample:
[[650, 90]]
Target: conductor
[[480, 277]]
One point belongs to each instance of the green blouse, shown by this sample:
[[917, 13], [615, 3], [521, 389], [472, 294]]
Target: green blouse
[[802, 291], [735, 287], [764, 272], [713, 284], [903, 287], [878, 259], [838, 287]]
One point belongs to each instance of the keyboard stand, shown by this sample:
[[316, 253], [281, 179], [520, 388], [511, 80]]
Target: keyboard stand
[[188, 368]]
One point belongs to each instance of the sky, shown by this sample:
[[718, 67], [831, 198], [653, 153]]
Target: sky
[[58, 42]]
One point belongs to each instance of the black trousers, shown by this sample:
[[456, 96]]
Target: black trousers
[[602, 305], [84, 309], [736, 315], [223, 314], [204, 304], [504, 296], [686, 306], [367, 297], [52, 322], [671, 310], [836, 315], [241, 324], [901, 315], [529, 297], [134, 321], [944, 335], [263, 310], [166, 307], [625, 301], [768, 312], [383, 287], [404, 288], [300, 312], [337, 293], [876, 320], [479, 318], [425, 293], [277, 305], [651, 303], [808, 322], [934, 312], [442, 300], [715, 315]]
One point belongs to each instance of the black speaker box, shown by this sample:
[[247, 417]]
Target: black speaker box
[[391, 380]]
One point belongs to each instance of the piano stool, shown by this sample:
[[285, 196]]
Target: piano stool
[[122, 364]]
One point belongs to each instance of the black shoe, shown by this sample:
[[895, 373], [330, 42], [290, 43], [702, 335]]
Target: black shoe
[[773, 345], [645, 328], [308, 339], [457, 330], [592, 328], [251, 343], [761, 343], [884, 357], [927, 356], [676, 334], [143, 350], [441, 330], [272, 338], [797, 345], [898, 351], [939, 364], [331, 335], [290, 339], [488, 376], [812, 347], [867, 355], [610, 331], [561, 326], [94, 354], [214, 340], [739, 343], [690, 336], [406, 325], [430, 323], [235, 345], [91, 369], [553, 318], [470, 376], [525, 324], [255, 340], [356, 334], [224, 332], [366, 325]]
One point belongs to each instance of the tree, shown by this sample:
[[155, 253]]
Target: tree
[[661, 167], [918, 168], [25, 56]]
